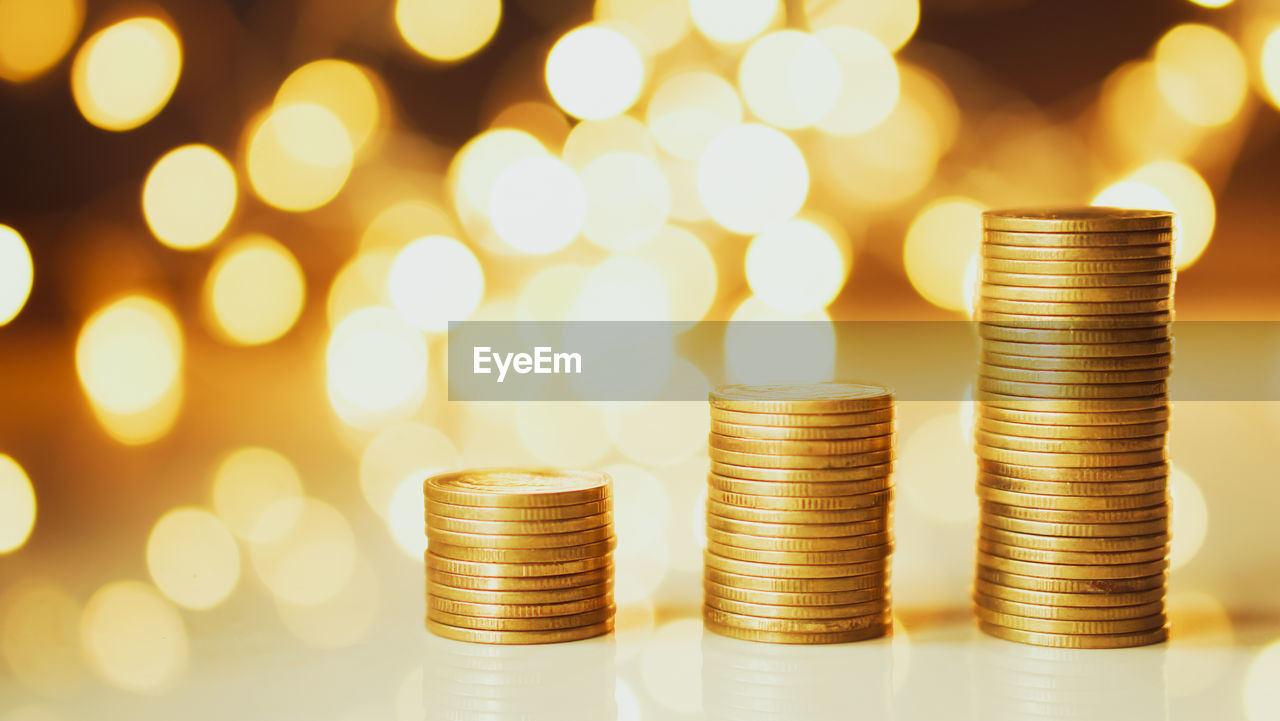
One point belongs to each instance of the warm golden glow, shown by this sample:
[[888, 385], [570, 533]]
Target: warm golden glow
[[1261, 692], [313, 561], [888, 164], [537, 205], [869, 83], [299, 156], [189, 196], [672, 664], [347, 90], [662, 23], [129, 355], [892, 22], [1189, 522], [35, 34], [591, 139], [361, 283], [124, 74], [40, 635], [17, 274], [1174, 186], [1212, 3], [17, 505], [377, 366], [1201, 73], [447, 30], [594, 72], [1271, 66], [434, 280], [933, 468], [733, 21], [192, 558], [250, 482], [796, 267], [941, 246], [478, 164], [134, 637], [254, 291], [343, 620], [789, 79], [689, 109], [752, 177], [399, 224], [627, 200], [689, 269], [398, 454], [570, 435]]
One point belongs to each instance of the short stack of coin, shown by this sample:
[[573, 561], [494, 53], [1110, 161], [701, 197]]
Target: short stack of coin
[[799, 513], [519, 556], [1074, 314]]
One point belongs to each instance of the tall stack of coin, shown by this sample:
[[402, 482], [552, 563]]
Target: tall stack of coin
[[519, 556], [1074, 313], [799, 513]]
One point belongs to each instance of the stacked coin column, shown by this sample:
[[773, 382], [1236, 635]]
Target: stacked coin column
[[1074, 318], [799, 513], [518, 557]]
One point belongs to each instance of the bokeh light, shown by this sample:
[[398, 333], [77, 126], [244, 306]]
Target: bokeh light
[[361, 283], [790, 79], [405, 519], [796, 267], [1201, 73], [733, 21], [592, 139], [189, 196], [1174, 186], [892, 22], [595, 72], [40, 635], [401, 223], [1261, 692], [688, 109], [192, 558], [17, 274], [663, 23], [569, 435], [125, 73], [446, 30], [752, 177], [627, 200], [299, 156], [312, 561], [248, 483], [255, 291], [537, 205], [17, 505], [1270, 63], [476, 168], [435, 280], [940, 249], [928, 474], [343, 620], [377, 366], [1189, 519], [399, 453], [688, 268], [869, 83], [134, 637], [35, 34], [1212, 3], [345, 89]]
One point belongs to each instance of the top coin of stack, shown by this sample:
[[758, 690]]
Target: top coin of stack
[[1074, 313], [799, 512], [519, 556]]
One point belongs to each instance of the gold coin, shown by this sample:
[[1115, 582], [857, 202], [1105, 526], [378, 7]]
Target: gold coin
[[876, 536], [527, 584], [496, 515], [1130, 349], [762, 460], [802, 420], [1071, 445], [1077, 530], [1071, 600], [520, 610], [1073, 585], [798, 613], [1088, 391], [1086, 309], [875, 581], [1088, 219], [1060, 419], [1068, 239], [778, 517], [1058, 640], [802, 398], [1073, 336], [1115, 544], [1078, 267], [801, 475], [520, 598], [527, 541], [747, 634], [519, 528], [472, 635], [1074, 323], [1072, 460], [844, 448], [1041, 294], [524, 555], [1076, 280], [548, 623], [1074, 475], [1075, 572], [1038, 375], [790, 625], [517, 570], [794, 569], [1070, 503], [783, 598], [794, 489], [799, 530], [802, 558], [1068, 613], [799, 503], [1058, 515], [518, 488], [1082, 558], [1029, 430], [786, 433], [1079, 253], [1042, 625]]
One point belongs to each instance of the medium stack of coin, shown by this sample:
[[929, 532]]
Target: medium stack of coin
[[1074, 311], [519, 556], [799, 513]]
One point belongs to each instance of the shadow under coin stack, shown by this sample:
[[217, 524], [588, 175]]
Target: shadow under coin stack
[[799, 513], [1074, 315], [519, 556]]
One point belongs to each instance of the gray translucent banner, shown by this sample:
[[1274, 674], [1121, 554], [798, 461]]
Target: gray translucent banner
[[919, 360]]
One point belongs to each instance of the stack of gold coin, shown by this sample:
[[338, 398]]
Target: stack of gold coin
[[799, 513], [1074, 313], [519, 556]]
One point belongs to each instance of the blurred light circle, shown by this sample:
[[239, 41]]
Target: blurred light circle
[[663, 23], [550, 294], [398, 453], [592, 139], [537, 205], [17, 505], [447, 30], [189, 196], [1271, 66], [247, 483], [623, 287], [733, 21], [752, 177], [124, 74], [941, 244], [299, 157], [192, 558], [1201, 73], [344, 89], [40, 636], [479, 163], [434, 280], [887, 164], [376, 361], [35, 34], [795, 267], [17, 273], [594, 72], [789, 79], [361, 283], [313, 561], [869, 83], [255, 290], [892, 22], [134, 637], [399, 224], [1212, 3], [1176, 187], [689, 109], [543, 121], [1189, 518], [129, 354], [687, 266], [405, 519], [627, 200]]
